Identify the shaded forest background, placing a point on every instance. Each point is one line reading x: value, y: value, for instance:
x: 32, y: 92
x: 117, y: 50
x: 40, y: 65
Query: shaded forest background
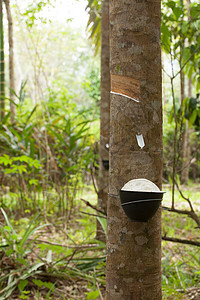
x: 49, y: 153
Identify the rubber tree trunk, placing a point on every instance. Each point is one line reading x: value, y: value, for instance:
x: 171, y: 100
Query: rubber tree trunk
x: 11, y: 59
x: 104, y: 115
x: 134, y: 249
x: 2, y: 70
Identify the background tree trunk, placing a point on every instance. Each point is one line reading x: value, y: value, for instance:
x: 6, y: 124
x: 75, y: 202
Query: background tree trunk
x: 186, y: 151
x: 2, y: 75
x: 134, y: 249
x: 104, y: 114
x: 11, y: 59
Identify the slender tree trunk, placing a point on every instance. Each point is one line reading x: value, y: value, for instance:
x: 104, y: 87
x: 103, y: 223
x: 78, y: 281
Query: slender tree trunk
x: 164, y: 93
x: 186, y: 153
x: 11, y: 59
x: 2, y: 74
x: 182, y: 85
x: 104, y: 113
x: 134, y: 249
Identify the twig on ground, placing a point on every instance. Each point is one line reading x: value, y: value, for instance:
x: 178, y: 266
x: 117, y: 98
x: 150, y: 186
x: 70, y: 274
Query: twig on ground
x: 99, y: 291
x: 63, y: 231
x: 181, y: 241
x: 64, y: 246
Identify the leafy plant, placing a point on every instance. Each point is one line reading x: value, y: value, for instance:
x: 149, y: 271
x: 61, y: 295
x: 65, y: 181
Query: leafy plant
x: 14, y: 245
x: 15, y: 249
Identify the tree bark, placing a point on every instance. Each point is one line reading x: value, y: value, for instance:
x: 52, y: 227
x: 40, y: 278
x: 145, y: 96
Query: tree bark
x: 184, y: 143
x: 186, y: 153
x: 11, y: 59
x: 134, y: 249
x: 2, y: 65
x: 104, y: 114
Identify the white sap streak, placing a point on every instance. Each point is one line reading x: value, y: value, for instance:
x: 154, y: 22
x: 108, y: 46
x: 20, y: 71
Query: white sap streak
x: 136, y: 100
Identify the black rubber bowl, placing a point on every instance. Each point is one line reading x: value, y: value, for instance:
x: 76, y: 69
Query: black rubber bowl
x: 141, y: 210
x: 129, y: 196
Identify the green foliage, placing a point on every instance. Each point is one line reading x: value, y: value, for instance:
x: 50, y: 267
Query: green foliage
x: 92, y: 85
x: 19, y: 165
x: 24, y: 272
x: 16, y: 248
x: 93, y: 295
x: 31, y: 14
x: 192, y: 112
x: 14, y: 245
x: 177, y: 275
x: 103, y: 222
x: 180, y: 36
x: 46, y: 149
x: 94, y: 22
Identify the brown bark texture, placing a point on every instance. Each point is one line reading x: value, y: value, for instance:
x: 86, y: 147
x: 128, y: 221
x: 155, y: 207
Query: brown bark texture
x: 11, y: 58
x: 186, y: 151
x: 104, y: 107
x: 134, y: 249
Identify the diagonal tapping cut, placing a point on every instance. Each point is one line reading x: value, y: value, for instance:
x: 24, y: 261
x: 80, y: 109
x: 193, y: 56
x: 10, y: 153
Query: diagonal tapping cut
x: 129, y: 88
x: 125, y: 86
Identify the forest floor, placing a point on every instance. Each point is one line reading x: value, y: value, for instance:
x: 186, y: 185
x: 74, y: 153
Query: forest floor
x: 63, y: 260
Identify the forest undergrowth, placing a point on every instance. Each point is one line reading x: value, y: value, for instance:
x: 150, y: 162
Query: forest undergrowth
x: 49, y: 250
x: 62, y: 259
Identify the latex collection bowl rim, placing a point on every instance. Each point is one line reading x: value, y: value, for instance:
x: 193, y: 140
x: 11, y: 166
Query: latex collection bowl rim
x: 139, y: 201
x: 143, y: 191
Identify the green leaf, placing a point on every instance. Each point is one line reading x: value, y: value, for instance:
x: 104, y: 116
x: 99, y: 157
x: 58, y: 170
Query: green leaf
x: 171, y: 4
x: 49, y: 256
x: 22, y: 284
x: 33, y: 182
x: 5, y: 119
x: 103, y: 223
x: 29, y: 231
x: 198, y: 85
x: 193, y: 117
x: 5, y: 160
x: 34, y: 163
x: 190, y: 71
x: 22, y: 261
x: 35, y: 268
x: 185, y: 55
x: 16, y: 169
x: 41, y: 283
x: 14, y: 237
x: 7, y: 228
x: 48, y: 285
x: 9, y: 252
x: 194, y: 11
x: 177, y: 12
x: 38, y: 282
x: 22, y: 158
x: 7, y: 221
x: 32, y: 112
x: 93, y: 295
x: 184, y: 27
